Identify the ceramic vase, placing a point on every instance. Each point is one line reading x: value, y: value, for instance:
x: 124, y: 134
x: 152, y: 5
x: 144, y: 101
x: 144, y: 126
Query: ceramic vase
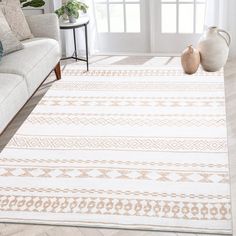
x: 214, y: 49
x: 190, y: 60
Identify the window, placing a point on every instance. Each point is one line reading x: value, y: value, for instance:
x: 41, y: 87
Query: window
x: 118, y: 16
x: 143, y: 26
x: 182, y: 16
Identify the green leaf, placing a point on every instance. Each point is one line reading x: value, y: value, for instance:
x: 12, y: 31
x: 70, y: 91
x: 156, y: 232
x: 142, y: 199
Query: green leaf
x: 72, y: 8
x: 32, y: 3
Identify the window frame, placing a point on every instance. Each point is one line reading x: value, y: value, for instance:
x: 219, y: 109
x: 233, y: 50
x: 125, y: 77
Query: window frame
x: 107, y: 3
x: 177, y: 3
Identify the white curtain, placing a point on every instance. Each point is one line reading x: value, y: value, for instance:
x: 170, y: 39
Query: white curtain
x: 67, y: 38
x: 92, y: 30
x: 221, y: 13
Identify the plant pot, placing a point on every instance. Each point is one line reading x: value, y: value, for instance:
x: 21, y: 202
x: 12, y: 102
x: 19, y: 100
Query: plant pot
x: 214, y: 49
x: 72, y: 19
x: 65, y: 17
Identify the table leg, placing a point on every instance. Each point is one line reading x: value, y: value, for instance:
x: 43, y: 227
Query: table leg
x: 75, y: 44
x: 86, y: 44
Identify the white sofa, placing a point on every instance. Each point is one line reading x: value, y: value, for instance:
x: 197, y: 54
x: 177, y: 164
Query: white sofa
x: 22, y: 72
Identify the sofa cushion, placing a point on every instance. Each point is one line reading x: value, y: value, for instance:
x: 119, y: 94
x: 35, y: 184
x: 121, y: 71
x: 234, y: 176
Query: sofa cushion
x: 34, y: 62
x: 13, y: 95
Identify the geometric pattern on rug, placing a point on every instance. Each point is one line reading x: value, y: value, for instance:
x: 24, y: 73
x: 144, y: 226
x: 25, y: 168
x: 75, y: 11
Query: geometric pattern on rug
x: 122, y: 147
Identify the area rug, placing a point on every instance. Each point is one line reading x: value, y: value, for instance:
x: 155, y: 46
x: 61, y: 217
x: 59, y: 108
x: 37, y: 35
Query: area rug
x: 134, y: 147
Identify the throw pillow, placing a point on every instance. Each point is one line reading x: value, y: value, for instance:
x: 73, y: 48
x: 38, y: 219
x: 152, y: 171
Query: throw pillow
x: 1, y: 51
x: 9, y: 41
x: 17, y: 22
x: 11, y: 2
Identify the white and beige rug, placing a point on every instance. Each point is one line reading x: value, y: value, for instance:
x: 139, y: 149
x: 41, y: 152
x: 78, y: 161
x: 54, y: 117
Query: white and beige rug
x: 123, y: 147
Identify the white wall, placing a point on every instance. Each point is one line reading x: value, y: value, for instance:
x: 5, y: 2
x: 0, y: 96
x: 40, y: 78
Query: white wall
x: 55, y: 4
x: 45, y: 9
x: 50, y: 6
x: 232, y: 26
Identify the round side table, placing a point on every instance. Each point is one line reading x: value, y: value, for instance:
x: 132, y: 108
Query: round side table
x: 81, y: 22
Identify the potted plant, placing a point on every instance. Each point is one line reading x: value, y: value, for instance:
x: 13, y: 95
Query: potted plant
x: 32, y: 3
x: 72, y: 9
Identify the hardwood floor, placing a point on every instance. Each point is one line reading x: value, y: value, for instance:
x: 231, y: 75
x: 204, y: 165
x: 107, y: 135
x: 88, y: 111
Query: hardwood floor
x: 34, y: 230
x: 230, y: 90
x: 39, y: 230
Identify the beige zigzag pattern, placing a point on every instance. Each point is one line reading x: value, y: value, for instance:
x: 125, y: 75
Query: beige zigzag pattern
x: 120, y: 143
x: 116, y: 173
x: 118, y: 206
x: 137, y: 86
x: 80, y: 120
x: 193, y: 197
x: 135, y: 73
x: 146, y: 115
x: 115, y: 102
x: 132, y: 101
x: 113, y: 162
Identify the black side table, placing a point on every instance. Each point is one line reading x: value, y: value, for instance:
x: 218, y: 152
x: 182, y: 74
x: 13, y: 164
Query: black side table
x: 81, y: 22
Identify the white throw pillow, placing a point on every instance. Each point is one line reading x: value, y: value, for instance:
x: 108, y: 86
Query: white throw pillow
x: 11, y: 2
x: 9, y: 41
x: 16, y: 19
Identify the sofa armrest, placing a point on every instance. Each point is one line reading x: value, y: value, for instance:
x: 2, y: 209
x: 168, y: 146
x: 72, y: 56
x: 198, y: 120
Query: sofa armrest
x: 45, y: 25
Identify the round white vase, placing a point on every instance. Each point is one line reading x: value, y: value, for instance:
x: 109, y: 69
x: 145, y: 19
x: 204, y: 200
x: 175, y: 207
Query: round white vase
x: 214, y: 49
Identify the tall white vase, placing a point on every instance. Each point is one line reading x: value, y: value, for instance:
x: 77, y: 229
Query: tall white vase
x: 214, y: 49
